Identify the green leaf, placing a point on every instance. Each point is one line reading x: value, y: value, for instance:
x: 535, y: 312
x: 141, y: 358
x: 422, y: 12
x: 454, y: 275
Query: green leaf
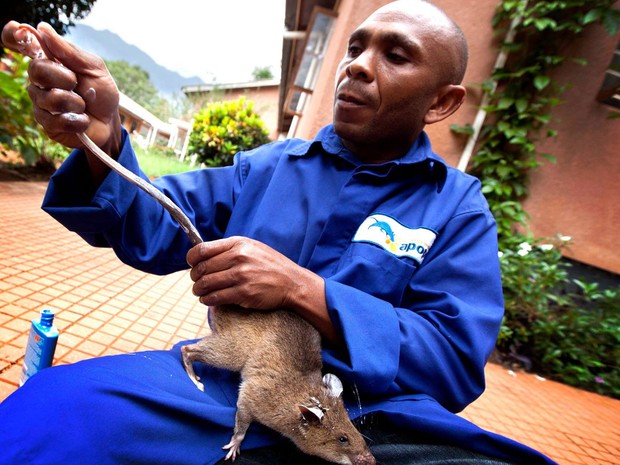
x: 504, y: 103
x: 591, y: 16
x: 540, y: 82
x: 487, y: 189
x: 521, y: 105
x: 611, y: 22
x: 543, y: 23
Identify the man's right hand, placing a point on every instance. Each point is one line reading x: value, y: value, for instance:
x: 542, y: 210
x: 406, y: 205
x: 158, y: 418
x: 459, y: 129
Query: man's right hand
x: 72, y: 91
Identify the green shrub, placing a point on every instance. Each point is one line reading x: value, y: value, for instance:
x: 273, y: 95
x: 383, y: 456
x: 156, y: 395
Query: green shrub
x: 562, y: 328
x: 18, y: 129
x: 225, y: 128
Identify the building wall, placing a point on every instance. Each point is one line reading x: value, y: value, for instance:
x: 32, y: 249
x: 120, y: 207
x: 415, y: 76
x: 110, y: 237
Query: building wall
x: 579, y: 195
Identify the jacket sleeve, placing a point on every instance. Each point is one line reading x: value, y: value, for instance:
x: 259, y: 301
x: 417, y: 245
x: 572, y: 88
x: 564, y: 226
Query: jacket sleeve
x: 120, y: 215
x: 438, y: 342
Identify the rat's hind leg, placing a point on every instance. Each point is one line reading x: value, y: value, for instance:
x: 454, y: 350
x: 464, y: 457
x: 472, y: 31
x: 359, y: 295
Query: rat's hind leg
x: 212, y: 350
x: 190, y: 354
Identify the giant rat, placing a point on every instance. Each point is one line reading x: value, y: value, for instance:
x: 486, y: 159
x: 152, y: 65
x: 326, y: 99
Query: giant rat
x: 278, y: 355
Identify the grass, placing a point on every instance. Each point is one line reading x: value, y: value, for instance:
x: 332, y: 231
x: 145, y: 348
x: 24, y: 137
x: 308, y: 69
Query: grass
x: 156, y: 162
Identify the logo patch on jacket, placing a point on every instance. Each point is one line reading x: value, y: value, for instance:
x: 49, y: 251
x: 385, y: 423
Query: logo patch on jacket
x: 389, y: 234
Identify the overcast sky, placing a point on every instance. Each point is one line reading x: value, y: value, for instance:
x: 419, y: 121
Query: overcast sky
x: 221, y: 39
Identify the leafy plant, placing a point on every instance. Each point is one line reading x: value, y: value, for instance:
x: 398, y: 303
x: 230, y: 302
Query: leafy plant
x: 18, y: 129
x: 562, y: 328
x: 223, y: 129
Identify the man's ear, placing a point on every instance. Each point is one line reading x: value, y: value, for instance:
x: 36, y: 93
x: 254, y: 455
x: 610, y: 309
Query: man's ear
x: 449, y: 98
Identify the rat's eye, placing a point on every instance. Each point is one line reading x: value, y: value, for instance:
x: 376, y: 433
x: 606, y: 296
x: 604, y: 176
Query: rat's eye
x: 343, y: 439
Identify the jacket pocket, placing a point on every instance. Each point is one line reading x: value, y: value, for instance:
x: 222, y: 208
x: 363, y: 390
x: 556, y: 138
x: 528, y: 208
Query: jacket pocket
x: 376, y: 271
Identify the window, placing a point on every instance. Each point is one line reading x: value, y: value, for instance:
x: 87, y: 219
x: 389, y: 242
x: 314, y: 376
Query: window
x: 609, y: 93
x: 314, y: 48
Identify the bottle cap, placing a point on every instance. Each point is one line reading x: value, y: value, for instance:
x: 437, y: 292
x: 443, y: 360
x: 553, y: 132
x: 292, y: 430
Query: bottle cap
x: 47, y: 317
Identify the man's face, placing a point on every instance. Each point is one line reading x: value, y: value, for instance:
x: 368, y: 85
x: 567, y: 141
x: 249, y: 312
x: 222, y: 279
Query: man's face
x: 386, y: 83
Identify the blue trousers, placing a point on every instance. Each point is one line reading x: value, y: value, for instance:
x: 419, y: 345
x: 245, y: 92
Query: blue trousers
x: 143, y: 409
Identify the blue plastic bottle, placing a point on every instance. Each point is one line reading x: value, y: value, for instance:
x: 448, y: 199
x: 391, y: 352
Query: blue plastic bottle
x: 41, y: 345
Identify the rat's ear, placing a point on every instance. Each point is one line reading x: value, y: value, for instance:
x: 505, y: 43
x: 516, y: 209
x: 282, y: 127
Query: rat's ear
x: 311, y: 414
x: 334, y: 384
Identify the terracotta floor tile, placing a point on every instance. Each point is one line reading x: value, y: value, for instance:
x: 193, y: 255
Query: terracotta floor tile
x: 9, y: 297
x: 134, y: 337
x: 125, y: 346
x: 76, y: 356
x: 160, y: 335
x: 6, y: 388
x: 102, y: 338
x: 11, y: 353
x: 112, y: 330
x: 8, y: 334
x: 92, y: 348
x: 12, y: 374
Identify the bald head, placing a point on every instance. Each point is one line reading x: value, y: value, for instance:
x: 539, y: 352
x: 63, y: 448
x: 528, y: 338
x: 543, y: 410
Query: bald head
x: 447, y: 35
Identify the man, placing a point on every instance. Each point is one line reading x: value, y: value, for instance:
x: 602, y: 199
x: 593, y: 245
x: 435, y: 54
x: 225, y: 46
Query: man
x: 364, y: 232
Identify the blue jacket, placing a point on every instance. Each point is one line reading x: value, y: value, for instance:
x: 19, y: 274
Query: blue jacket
x: 407, y: 248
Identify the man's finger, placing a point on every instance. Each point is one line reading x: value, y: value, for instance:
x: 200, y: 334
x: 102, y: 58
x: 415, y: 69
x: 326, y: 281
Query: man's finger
x: 64, y: 123
x: 207, y: 250
x: 48, y: 74
x: 8, y: 35
x: 74, y: 58
x: 56, y: 101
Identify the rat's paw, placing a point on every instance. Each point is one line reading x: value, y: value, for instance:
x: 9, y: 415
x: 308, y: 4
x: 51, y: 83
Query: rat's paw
x: 233, y: 448
x: 198, y: 384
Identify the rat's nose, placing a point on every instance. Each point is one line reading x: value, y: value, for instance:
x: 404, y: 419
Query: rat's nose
x: 364, y: 459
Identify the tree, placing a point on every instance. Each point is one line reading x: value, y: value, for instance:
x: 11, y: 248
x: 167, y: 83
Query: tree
x: 135, y: 82
x: 262, y: 74
x: 60, y: 14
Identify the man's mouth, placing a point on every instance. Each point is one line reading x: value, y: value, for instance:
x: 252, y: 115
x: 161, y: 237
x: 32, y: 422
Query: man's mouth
x: 350, y: 98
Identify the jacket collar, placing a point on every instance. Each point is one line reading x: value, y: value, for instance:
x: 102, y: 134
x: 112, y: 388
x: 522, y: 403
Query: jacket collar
x: 420, y: 153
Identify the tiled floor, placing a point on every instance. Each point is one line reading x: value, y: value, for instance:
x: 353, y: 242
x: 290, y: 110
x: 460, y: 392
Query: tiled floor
x: 105, y: 307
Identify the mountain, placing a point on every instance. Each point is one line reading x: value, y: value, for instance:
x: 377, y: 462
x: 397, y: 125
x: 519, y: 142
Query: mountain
x: 110, y: 46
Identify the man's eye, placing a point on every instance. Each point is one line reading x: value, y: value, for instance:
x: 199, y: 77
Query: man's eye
x: 396, y: 57
x: 354, y: 50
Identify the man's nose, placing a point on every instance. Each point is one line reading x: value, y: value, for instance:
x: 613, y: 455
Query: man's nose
x: 361, y: 67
